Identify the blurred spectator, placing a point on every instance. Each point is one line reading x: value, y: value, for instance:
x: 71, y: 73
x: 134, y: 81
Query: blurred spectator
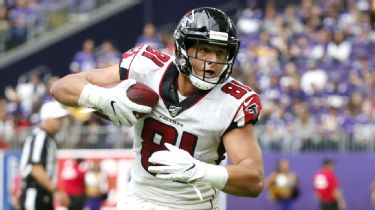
x: 340, y: 47
x: 19, y: 18
x: 73, y: 183
x: 96, y: 187
x: 282, y: 185
x: 47, y: 96
x: 107, y: 55
x: 271, y: 21
x: 273, y: 90
x: 363, y: 69
x: 314, y: 80
x: 312, y: 15
x: 38, y: 22
x: 4, y: 27
x: 292, y: 20
x: 304, y: 129
x: 93, y: 134
x: 150, y: 37
x: 327, y: 188
x: 30, y: 93
x: 277, y: 134
x: 168, y: 44
x: 364, y: 132
x: 353, y: 109
x: 266, y: 58
x: 330, y: 20
x: 7, y: 130
x: 318, y: 50
x: 250, y: 18
x: 331, y: 127
x: 85, y: 59
x: 85, y: 6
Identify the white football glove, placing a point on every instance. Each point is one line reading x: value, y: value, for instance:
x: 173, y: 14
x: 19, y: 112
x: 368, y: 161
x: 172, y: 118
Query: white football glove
x: 113, y: 102
x: 176, y: 165
x: 179, y: 166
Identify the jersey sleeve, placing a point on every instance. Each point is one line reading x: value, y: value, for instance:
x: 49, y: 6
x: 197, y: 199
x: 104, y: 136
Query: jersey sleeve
x: 249, y: 111
x: 244, y: 102
x: 142, y: 60
x: 127, y: 60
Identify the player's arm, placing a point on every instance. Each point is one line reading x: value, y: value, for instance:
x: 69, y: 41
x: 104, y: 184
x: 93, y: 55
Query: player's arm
x: 245, y: 175
x: 67, y: 90
x: 86, y: 89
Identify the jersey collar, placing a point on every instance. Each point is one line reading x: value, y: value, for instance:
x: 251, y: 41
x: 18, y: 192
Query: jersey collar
x: 168, y: 92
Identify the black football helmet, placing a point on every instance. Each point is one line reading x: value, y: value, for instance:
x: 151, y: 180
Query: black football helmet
x: 210, y: 26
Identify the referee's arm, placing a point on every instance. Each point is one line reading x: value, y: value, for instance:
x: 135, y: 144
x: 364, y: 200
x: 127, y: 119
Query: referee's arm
x: 40, y: 176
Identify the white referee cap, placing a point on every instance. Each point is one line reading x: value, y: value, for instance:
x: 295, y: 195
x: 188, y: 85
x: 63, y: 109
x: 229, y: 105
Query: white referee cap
x: 52, y: 110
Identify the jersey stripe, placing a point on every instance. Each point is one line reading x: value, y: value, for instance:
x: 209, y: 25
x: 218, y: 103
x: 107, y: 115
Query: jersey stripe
x: 25, y: 169
x: 38, y: 147
x: 30, y: 199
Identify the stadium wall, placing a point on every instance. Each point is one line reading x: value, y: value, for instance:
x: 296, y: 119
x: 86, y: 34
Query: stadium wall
x: 355, y: 172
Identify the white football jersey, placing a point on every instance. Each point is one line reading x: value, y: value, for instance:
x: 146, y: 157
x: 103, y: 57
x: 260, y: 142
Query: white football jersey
x: 195, y: 124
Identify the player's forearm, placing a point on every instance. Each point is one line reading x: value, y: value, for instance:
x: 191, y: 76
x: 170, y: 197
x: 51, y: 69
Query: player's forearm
x: 244, y: 180
x: 67, y: 90
x: 41, y: 177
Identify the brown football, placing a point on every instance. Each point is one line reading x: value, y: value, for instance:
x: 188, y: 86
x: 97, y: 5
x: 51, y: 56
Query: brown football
x: 139, y: 93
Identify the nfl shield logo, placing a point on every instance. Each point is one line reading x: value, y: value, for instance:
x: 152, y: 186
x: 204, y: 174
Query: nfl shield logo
x: 174, y: 110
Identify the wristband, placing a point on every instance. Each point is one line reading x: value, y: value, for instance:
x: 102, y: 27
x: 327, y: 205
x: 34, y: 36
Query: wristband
x: 216, y: 175
x: 90, y: 95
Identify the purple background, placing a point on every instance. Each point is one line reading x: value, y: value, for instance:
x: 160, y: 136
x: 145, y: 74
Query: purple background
x: 354, y: 171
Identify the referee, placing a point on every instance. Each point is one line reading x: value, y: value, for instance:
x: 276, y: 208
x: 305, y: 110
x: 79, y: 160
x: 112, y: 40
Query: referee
x: 38, y: 162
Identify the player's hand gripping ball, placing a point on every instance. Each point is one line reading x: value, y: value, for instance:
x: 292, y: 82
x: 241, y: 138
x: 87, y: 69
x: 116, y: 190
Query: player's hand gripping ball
x: 138, y: 93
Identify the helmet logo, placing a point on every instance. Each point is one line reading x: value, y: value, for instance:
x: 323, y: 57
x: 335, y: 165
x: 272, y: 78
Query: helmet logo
x: 190, y: 18
x: 222, y: 36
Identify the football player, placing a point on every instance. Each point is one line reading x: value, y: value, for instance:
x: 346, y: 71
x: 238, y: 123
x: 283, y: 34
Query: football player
x: 202, y: 114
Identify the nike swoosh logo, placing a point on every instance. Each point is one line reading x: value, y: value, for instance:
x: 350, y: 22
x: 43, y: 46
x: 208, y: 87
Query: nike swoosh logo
x: 112, y: 105
x: 247, y: 102
x: 190, y: 167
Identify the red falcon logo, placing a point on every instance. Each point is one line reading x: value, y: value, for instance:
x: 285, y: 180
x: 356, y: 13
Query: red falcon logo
x: 252, y: 108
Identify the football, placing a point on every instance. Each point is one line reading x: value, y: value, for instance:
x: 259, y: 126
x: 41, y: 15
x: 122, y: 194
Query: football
x: 140, y: 93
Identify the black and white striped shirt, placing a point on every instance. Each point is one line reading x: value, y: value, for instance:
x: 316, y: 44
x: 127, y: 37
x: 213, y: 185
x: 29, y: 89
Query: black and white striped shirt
x: 39, y: 148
